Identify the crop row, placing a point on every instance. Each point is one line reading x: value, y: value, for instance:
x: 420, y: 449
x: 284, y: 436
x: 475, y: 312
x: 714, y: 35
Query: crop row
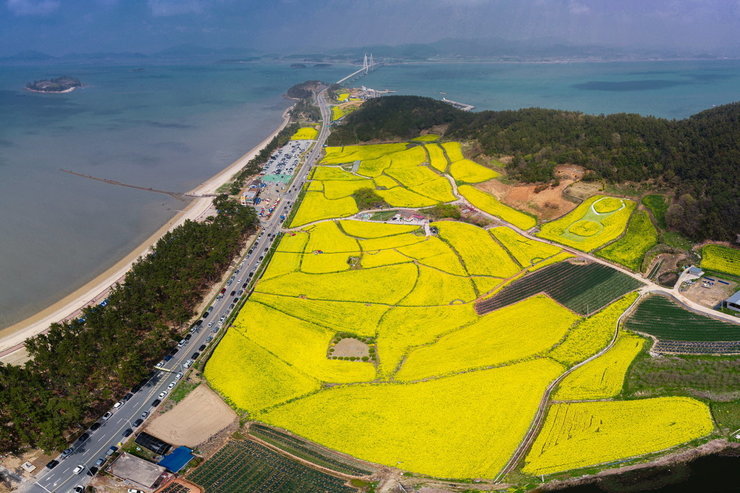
x: 696, y: 347
x: 662, y: 318
x: 582, y: 288
x: 245, y: 467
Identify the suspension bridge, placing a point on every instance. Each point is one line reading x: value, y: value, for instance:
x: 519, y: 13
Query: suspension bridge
x: 368, y: 65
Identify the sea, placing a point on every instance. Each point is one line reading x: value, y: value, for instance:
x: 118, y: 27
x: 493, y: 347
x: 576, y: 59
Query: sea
x: 171, y: 125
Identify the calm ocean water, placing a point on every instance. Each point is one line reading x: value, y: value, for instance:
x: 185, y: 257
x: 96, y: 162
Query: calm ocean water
x: 170, y: 127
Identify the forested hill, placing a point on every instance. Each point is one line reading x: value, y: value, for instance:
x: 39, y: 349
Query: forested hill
x: 697, y: 159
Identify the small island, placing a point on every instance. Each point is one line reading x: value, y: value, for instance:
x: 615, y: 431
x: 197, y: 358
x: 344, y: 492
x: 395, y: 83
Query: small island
x: 59, y: 85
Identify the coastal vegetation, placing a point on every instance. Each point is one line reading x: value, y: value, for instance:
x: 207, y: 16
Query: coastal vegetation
x: 695, y: 157
x: 57, y: 85
x: 80, y: 367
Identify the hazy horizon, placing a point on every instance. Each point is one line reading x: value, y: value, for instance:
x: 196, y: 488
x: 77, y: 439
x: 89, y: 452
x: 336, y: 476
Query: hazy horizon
x: 62, y: 27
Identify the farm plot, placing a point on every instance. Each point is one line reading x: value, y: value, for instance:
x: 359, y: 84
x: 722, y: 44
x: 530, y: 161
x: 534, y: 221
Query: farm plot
x: 350, y: 154
x: 305, y: 133
x: 664, y: 319
x: 519, y: 331
x: 315, y: 206
x: 583, y: 434
x: 602, y: 377
x: 526, y: 251
x: 721, y: 258
x: 596, y: 222
x: 437, y: 159
x: 364, y: 229
x: 467, y: 171
x: 470, y: 425
x: 479, y: 253
x: 630, y: 249
x: 334, y: 173
x: 246, y: 467
x: 582, y: 288
x: 488, y: 203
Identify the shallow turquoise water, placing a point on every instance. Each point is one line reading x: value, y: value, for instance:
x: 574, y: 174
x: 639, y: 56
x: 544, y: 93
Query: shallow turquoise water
x: 172, y: 126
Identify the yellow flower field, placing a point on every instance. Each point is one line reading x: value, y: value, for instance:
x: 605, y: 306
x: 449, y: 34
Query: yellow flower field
x: 385, y: 181
x: 328, y: 237
x: 287, y: 256
x: 376, y: 258
x: 393, y: 241
x: 469, y: 428
x: 469, y: 171
x: 315, y: 206
x: 435, y: 287
x: 407, y: 326
x: 350, y: 154
x: 437, y: 159
x: 410, y: 176
x: 252, y: 378
x: 584, y: 434
x: 344, y: 188
x: 402, y: 197
x: 454, y: 151
x: 435, y: 253
x: 364, y: 229
x: 585, y: 228
x: 488, y: 203
x: 526, y: 251
x: 721, y: 258
x: 426, y: 138
x: 305, y: 133
x: 480, y: 254
x: 518, y: 331
x: 592, y: 334
x: 602, y: 377
x: 335, y: 173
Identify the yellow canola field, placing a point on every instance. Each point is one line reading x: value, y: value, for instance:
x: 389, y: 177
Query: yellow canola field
x: 412, y: 175
x: 301, y: 344
x: 435, y: 287
x: 349, y: 154
x: 287, y: 256
x: 376, y: 258
x: 322, y: 263
x: 454, y: 151
x: 315, y: 186
x: 385, y: 181
x: 480, y: 254
x: 485, y: 285
x: 344, y: 188
x: 315, y: 207
x: 438, y: 189
x: 437, y: 159
x: 325, y: 173
x: 469, y: 171
x: 583, y: 434
x: 552, y: 260
x: 435, y: 253
x: 374, y: 167
x: 386, y: 284
x: 467, y: 426
x: 251, y: 378
x: 365, y: 229
x: 407, y: 326
x: 342, y: 96
x: 305, y: 133
x: 394, y: 241
x: 341, y: 316
x: 602, y: 377
x: 328, y: 237
x: 525, y: 329
x: 592, y: 334
x: 426, y: 138
x: 526, y: 251
x: 721, y: 258
x: 585, y: 228
x: 488, y: 203
x: 401, y: 197
x: 412, y: 156
x: 338, y: 112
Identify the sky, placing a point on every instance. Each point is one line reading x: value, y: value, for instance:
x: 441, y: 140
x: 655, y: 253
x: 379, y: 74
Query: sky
x: 61, y: 27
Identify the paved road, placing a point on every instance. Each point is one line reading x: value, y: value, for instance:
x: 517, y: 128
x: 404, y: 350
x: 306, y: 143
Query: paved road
x: 110, y: 433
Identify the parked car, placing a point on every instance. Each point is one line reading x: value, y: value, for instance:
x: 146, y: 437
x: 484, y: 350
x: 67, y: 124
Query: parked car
x: 78, y: 469
x: 92, y: 471
x: 66, y: 453
x: 156, y: 402
x: 195, y: 355
x: 117, y: 405
x: 100, y: 461
x: 127, y: 432
x: 162, y: 394
x: 202, y: 347
x: 95, y: 426
x: 144, y: 414
x: 171, y: 385
x: 112, y: 450
x: 52, y: 464
x: 83, y: 437
x: 138, y: 422
x: 78, y: 489
x: 107, y: 415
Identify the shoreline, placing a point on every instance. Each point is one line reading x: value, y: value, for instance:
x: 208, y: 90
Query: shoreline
x: 12, y: 338
x: 66, y: 91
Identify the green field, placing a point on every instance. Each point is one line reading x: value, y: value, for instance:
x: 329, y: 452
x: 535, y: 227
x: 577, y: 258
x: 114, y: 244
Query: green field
x: 630, y: 249
x: 664, y: 319
x: 658, y: 206
x: 582, y: 288
x: 246, y: 467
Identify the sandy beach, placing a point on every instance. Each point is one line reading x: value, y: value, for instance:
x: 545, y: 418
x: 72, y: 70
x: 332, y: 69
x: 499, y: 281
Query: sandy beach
x: 13, y: 337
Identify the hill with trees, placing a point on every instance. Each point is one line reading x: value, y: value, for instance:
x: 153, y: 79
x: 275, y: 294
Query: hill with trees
x: 696, y: 158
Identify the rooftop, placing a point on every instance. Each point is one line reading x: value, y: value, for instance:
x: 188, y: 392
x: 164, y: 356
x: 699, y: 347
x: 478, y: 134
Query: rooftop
x: 138, y: 470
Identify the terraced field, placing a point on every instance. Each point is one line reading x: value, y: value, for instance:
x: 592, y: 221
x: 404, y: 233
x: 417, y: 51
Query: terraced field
x: 452, y: 383
x: 664, y: 319
x: 582, y: 288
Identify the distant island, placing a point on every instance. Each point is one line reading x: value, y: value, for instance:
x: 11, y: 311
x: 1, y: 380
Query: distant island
x: 56, y: 86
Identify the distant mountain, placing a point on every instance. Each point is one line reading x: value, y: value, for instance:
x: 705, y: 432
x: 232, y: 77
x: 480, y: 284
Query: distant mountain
x: 28, y: 56
x: 197, y: 51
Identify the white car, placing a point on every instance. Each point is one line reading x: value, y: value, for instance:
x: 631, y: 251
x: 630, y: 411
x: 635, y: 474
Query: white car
x: 107, y: 415
x: 162, y: 394
x: 117, y: 405
x: 178, y: 375
x: 172, y: 384
x: 78, y: 469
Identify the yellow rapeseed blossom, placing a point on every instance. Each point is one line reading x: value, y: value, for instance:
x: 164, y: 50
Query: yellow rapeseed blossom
x: 466, y: 426
x: 407, y: 326
x: 394, y: 241
x: 526, y: 251
x: 435, y: 287
x: 335, y: 173
x: 488, y: 203
x: 454, y: 151
x: 328, y: 237
x: 315, y: 206
x: 518, y: 331
x: 585, y: 228
x: 341, y: 316
x: 601, y: 377
x: 305, y: 133
x: 350, y: 154
x: 426, y: 138
x: 485, y: 284
x: 583, y: 434
x: 288, y: 255
x: 252, y: 378
x: 365, y: 229
x: 438, y: 189
x: 344, y: 188
x: 479, y: 252
x: 721, y: 258
x: 592, y: 334
x: 552, y: 260
x: 402, y: 197
x: 435, y: 253
x: 385, y: 181
x: 468, y: 171
x: 437, y: 159
x: 411, y: 176
x: 301, y: 344
x: 376, y: 258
